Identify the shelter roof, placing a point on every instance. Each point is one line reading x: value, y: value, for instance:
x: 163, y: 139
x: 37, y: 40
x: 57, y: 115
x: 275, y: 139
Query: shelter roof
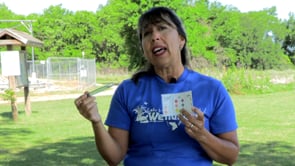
x: 18, y: 38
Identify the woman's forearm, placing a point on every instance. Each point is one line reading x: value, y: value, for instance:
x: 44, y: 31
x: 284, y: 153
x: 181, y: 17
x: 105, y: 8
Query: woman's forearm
x: 106, y: 145
x: 223, y: 148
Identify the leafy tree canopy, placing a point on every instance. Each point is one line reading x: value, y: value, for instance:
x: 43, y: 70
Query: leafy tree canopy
x: 218, y: 35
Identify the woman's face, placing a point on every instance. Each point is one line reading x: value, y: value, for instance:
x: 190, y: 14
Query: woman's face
x: 162, y: 44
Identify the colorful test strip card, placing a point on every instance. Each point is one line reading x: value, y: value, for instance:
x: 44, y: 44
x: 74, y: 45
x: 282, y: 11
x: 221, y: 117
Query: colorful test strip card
x: 172, y: 103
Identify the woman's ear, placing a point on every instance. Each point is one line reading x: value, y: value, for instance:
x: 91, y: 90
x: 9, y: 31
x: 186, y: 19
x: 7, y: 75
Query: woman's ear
x: 181, y: 42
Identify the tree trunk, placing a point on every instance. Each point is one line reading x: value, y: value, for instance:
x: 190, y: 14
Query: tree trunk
x: 14, y: 110
x: 27, y: 101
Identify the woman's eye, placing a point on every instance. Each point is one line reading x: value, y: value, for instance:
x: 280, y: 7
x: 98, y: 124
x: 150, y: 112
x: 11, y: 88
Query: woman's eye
x: 162, y: 27
x: 146, y: 33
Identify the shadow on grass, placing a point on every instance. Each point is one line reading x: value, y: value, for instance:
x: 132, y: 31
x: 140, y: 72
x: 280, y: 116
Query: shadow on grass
x: 73, y: 152
x: 8, y: 137
x: 266, y: 154
x: 7, y: 116
x: 82, y: 151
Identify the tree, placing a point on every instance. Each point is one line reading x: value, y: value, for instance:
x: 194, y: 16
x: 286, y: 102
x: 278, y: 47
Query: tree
x: 108, y: 41
x: 225, y: 24
x: 289, y: 41
x: 78, y: 32
x: 8, y: 20
x: 217, y: 35
x: 201, y: 42
x: 9, y: 94
x: 253, y: 44
x: 50, y: 28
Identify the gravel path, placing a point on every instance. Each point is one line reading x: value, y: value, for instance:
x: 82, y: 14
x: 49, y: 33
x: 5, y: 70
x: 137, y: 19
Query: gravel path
x: 62, y: 96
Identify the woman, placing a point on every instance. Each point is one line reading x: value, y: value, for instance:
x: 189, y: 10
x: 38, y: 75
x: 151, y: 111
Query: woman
x: 139, y: 133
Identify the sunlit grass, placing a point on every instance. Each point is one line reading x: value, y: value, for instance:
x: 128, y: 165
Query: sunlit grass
x: 31, y: 139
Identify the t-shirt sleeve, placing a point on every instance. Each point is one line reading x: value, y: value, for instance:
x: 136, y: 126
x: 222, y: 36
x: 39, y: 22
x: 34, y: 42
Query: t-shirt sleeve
x: 118, y: 113
x: 224, y: 117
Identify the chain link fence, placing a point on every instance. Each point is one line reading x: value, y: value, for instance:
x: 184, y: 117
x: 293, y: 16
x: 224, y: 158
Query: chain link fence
x: 60, y: 73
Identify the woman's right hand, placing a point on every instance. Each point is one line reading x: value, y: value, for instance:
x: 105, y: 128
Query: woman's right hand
x: 87, y: 107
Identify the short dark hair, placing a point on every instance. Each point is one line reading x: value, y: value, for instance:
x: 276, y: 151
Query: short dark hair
x: 152, y: 16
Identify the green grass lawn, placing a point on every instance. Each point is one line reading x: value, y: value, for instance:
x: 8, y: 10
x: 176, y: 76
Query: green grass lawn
x: 266, y: 128
x: 56, y: 134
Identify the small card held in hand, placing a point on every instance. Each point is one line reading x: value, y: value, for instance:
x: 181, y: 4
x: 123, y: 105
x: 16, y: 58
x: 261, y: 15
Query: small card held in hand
x: 172, y: 103
x: 100, y: 89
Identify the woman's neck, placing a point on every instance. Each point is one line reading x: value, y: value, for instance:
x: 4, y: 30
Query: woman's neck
x: 170, y: 74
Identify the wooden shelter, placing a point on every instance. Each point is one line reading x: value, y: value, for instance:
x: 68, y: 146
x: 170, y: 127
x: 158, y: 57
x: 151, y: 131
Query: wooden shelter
x: 11, y: 38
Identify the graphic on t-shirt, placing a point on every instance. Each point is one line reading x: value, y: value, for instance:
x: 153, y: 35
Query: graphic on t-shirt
x: 172, y: 103
x: 145, y: 113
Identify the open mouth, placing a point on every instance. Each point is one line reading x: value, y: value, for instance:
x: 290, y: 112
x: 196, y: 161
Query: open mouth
x: 159, y: 50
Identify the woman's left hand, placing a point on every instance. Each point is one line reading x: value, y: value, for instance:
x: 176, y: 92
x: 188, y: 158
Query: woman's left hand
x: 194, y: 123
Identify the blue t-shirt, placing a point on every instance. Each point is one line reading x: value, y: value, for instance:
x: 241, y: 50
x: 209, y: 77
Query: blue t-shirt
x: 160, y: 140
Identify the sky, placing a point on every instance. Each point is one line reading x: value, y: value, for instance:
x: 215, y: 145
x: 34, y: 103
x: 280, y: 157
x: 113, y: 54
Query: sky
x: 284, y: 7
x: 25, y: 7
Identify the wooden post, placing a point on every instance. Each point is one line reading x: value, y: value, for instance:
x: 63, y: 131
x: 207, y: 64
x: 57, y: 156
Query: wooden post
x: 13, y: 98
x: 26, y: 88
x: 27, y: 101
x: 12, y: 86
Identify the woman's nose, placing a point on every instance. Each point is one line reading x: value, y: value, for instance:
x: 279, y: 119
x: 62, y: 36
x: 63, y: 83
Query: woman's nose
x: 155, y: 36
